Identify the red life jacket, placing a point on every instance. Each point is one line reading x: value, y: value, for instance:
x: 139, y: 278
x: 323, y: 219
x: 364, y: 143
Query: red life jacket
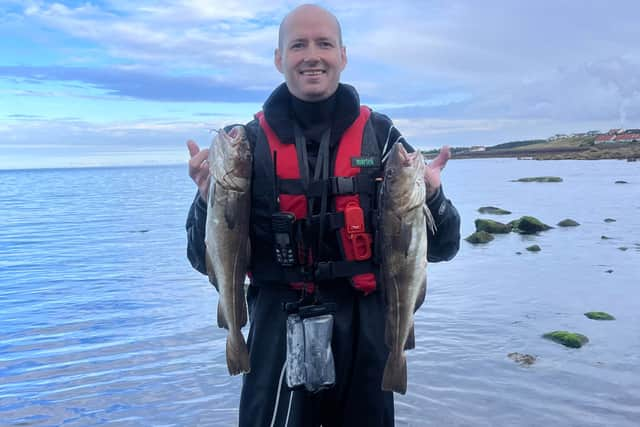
x: 356, y: 243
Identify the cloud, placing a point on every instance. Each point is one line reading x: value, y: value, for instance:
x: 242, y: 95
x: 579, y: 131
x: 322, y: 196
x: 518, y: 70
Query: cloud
x: 140, y: 84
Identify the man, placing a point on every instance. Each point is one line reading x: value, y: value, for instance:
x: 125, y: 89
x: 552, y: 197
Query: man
x: 313, y: 117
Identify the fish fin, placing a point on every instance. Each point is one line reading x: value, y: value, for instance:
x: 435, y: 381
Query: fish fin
x: 394, y: 377
x: 222, y: 322
x: 231, y: 209
x: 411, y: 338
x: 237, y: 354
x: 210, y: 272
x: 431, y: 223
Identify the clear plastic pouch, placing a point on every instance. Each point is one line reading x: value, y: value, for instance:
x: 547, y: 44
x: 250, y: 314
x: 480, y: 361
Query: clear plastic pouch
x: 296, y: 376
x: 309, y: 362
x: 318, y: 357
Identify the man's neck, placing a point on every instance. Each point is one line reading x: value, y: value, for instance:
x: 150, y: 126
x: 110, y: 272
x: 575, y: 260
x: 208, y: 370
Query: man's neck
x: 314, y: 117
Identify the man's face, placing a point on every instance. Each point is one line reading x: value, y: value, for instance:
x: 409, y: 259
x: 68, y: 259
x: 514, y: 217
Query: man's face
x: 310, y: 55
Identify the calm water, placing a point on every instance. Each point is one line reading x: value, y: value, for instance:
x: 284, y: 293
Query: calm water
x: 103, y: 321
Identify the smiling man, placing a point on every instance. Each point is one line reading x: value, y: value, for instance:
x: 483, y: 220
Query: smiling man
x: 317, y: 159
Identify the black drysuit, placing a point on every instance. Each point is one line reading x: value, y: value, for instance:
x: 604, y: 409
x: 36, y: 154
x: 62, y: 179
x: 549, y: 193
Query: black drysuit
x: 358, y: 336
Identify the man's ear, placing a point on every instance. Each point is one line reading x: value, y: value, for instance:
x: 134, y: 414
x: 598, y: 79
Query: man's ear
x: 343, y: 52
x: 277, y: 60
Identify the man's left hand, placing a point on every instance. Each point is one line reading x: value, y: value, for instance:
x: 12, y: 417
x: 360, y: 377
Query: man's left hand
x: 434, y: 168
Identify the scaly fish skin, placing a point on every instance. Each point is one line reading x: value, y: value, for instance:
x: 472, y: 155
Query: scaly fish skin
x: 227, y: 237
x: 404, y: 221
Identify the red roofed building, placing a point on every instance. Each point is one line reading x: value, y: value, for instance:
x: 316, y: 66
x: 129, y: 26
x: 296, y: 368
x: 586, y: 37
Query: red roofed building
x: 627, y: 137
x: 608, y: 137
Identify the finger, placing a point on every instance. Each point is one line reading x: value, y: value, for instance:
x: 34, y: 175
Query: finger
x: 198, y: 158
x: 442, y: 158
x: 193, y: 148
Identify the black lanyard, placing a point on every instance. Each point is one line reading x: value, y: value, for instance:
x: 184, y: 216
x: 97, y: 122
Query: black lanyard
x: 320, y: 172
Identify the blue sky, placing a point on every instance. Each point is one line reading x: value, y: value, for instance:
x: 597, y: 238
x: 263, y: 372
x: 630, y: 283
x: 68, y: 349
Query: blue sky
x: 128, y: 82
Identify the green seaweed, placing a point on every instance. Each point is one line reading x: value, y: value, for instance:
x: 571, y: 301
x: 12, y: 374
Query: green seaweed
x: 492, y: 210
x: 569, y: 339
x: 568, y: 223
x: 491, y: 226
x: 479, y: 237
x: 599, y: 315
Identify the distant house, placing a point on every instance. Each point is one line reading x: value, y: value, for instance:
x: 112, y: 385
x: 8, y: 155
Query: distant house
x: 607, y: 137
x: 628, y: 137
x: 477, y: 148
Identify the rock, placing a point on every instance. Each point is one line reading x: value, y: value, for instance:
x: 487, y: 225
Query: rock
x: 534, y: 248
x: 518, y: 253
x: 621, y: 182
x: 492, y: 210
x: 599, y: 315
x: 528, y: 225
x: 491, y: 226
x: 539, y: 179
x: 623, y: 248
x: 568, y: 223
x: 605, y: 237
x: 522, y: 359
x: 609, y: 220
x: 479, y: 237
x: 569, y: 339
x: 608, y: 271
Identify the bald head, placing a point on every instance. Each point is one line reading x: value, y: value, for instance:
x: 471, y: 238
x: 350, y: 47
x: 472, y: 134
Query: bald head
x: 304, y: 10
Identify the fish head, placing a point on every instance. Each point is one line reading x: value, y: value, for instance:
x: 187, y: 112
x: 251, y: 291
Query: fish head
x: 230, y: 158
x: 404, y: 178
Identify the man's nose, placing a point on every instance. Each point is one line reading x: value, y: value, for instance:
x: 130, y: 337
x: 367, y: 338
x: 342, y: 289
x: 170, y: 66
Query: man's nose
x: 312, y: 54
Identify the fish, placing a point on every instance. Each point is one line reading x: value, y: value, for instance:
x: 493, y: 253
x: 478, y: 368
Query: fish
x: 404, y: 218
x: 227, y: 243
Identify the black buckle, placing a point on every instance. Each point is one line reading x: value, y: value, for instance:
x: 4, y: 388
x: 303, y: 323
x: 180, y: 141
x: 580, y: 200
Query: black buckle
x: 343, y: 185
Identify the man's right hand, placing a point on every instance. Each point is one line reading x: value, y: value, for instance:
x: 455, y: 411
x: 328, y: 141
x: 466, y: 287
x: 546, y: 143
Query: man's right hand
x: 199, y: 168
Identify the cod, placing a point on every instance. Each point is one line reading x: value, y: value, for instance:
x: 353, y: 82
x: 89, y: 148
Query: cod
x: 227, y: 237
x: 404, y: 218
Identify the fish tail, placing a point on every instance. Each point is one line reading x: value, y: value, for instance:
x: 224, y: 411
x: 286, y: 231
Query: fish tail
x: 237, y: 354
x: 394, y: 377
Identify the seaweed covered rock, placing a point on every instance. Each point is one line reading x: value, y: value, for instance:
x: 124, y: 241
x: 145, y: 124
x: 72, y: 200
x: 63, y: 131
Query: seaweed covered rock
x: 492, y: 210
x: 568, y: 223
x: 599, y: 315
x: 621, y: 182
x: 569, y: 339
x: 528, y: 225
x: 479, y: 237
x: 539, y: 179
x: 491, y: 226
x: 609, y: 220
x: 534, y: 248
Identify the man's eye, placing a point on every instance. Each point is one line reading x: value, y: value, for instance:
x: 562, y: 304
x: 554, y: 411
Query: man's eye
x: 297, y: 45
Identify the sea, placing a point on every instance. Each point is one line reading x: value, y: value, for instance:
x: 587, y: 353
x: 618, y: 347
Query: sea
x: 104, y: 322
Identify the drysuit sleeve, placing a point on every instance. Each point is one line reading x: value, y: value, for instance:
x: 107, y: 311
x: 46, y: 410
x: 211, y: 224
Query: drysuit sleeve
x: 444, y: 244
x: 196, y: 224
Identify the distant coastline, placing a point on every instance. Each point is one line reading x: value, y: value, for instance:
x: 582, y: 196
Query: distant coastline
x: 567, y: 148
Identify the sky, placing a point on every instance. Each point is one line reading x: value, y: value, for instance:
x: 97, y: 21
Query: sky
x: 121, y: 82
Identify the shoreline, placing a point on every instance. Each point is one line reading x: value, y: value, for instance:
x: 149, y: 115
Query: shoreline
x: 629, y: 152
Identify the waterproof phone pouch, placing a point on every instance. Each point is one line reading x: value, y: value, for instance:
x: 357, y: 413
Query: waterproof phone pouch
x: 295, y: 352
x: 318, y: 357
x: 309, y: 361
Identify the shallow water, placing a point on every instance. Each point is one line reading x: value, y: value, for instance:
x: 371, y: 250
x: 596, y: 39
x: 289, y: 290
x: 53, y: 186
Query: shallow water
x: 104, y: 321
